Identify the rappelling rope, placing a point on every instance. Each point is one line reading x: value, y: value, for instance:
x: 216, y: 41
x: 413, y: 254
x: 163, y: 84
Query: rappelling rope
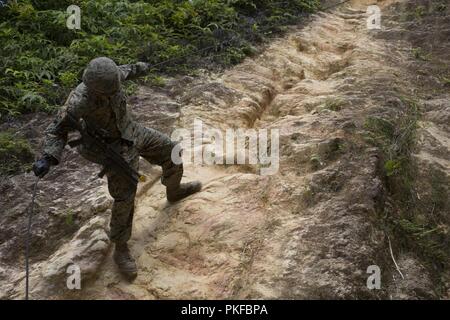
x: 28, y: 239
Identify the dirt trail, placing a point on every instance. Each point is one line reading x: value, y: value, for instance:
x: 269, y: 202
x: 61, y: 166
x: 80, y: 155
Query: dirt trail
x: 301, y: 233
x: 308, y: 231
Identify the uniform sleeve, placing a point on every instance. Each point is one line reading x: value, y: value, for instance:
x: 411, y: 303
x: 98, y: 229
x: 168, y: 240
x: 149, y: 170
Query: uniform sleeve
x: 57, y: 132
x: 133, y: 71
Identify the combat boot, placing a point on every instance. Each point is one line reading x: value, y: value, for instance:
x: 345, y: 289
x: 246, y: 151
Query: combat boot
x: 183, y: 190
x: 125, y: 261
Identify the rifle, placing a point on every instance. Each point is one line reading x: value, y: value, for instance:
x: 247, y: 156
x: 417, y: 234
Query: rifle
x: 114, y: 159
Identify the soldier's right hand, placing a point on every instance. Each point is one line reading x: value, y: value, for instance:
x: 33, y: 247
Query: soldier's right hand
x: 41, y: 166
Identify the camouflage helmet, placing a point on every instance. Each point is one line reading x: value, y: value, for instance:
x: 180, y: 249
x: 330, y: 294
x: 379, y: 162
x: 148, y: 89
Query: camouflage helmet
x: 102, y: 76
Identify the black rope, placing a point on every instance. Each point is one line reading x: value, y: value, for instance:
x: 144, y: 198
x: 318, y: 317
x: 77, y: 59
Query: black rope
x: 28, y: 240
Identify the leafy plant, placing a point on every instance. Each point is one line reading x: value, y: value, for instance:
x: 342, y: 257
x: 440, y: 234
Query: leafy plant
x: 333, y: 104
x: 419, y: 54
x: 418, y: 223
x: 445, y: 81
x: 419, y: 12
x: 316, y: 161
x: 41, y: 60
x: 15, y: 154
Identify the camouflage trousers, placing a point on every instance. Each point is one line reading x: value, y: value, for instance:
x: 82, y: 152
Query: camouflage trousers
x: 156, y: 148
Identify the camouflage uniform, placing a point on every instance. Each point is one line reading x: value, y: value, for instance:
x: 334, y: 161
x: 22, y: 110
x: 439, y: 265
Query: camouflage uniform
x: 110, y: 116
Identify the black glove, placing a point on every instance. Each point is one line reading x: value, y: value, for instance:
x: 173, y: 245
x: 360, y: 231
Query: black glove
x: 42, y: 166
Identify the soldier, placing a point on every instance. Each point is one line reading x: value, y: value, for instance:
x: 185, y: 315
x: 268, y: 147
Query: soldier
x: 99, y: 102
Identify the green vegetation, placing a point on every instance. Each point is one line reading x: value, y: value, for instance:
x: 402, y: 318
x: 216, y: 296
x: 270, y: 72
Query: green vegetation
x: 441, y: 7
x: 316, y: 161
x: 334, y: 104
x: 418, y: 222
x: 69, y: 218
x: 15, y: 154
x: 419, y: 54
x: 419, y: 12
x: 445, y: 80
x: 396, y: 138
x: 41, y: 59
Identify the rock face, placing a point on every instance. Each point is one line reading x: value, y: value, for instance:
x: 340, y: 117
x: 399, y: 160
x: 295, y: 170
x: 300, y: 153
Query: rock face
x: 310, y: 230
x: 85, y: 251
